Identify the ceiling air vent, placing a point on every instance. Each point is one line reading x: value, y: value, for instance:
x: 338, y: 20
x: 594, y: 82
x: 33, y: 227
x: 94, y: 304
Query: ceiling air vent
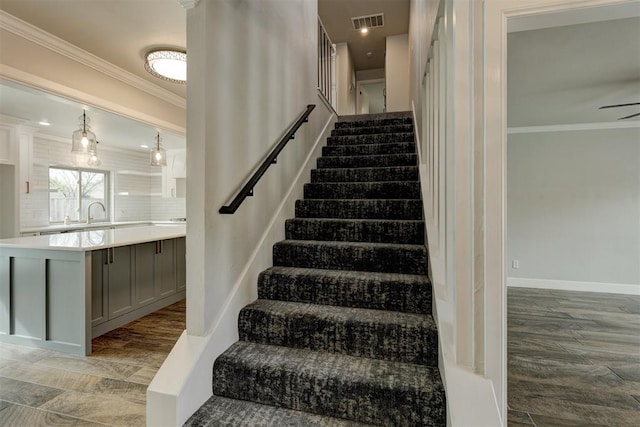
x: 369, y: 21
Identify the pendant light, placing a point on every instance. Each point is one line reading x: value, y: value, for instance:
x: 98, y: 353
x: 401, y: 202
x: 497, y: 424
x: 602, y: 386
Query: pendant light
x: 158, y: 154
x: 93, y: 159
x: 83, y: 140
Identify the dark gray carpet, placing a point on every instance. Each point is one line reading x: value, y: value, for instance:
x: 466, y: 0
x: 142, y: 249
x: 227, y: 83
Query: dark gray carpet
x: 342, y: 332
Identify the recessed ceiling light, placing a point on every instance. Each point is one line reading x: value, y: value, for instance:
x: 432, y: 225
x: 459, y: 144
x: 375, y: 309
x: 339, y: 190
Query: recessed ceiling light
x: 364, y: 30
x: 167, y: 64
x: 44, y: 123
x: 144, y: 146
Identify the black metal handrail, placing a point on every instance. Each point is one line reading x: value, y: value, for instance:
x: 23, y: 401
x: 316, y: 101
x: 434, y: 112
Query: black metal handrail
x: 247, y: 190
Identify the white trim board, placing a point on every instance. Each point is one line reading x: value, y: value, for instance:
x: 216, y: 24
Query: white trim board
x: 568, y: 285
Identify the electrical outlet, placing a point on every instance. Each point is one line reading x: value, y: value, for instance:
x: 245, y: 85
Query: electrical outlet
x: 515, y: 264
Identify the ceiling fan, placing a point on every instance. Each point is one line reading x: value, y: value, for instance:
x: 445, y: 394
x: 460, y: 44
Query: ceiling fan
x: 622, y: 105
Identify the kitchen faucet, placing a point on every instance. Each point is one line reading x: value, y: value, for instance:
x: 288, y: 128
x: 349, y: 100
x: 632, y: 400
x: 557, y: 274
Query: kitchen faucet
x: 89, y: 210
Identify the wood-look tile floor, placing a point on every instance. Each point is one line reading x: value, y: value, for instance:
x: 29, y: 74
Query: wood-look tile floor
x: 45, y: 388
x: 573, y: 358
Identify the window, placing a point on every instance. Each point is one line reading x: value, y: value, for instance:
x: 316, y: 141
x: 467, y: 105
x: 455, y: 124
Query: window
x: 72, y: 190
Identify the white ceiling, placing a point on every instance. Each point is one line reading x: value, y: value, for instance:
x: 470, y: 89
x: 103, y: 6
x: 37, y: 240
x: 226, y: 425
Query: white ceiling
x: 336, y: 16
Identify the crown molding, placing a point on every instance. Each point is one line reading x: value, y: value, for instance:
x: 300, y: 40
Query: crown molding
x: 631, y: 124
x: 188, y: 4
x: 36, y: 35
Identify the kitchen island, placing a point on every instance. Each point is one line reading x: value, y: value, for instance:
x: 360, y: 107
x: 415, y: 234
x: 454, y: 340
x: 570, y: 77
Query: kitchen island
x: 59, y: 291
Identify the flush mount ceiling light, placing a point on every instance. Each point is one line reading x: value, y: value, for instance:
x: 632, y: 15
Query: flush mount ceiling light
x: 158, y: 154
x: 167, y: 64
x: 83, y: 140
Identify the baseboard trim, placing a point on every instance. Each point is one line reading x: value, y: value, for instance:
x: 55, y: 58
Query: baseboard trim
x: 567, y: 285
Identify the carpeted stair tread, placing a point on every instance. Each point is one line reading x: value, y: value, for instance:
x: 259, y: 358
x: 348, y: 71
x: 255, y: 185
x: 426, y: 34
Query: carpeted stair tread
x: 376, y: 334
x: 393, y: 173
x: 368, y: 149
x: 220, y: 411
x: 374, y: 138
x: 354, y: 388
x: 356, y: 230
x: 410, y: 293
x: 359, y: 208
x: 380, y: 160
x: 359, y: 256
x: 373, y: 122
x: 363, y: 190
x: 359, y: 130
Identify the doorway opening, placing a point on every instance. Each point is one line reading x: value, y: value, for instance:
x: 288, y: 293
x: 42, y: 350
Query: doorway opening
x: 572, y: 209
x: 371, y: 97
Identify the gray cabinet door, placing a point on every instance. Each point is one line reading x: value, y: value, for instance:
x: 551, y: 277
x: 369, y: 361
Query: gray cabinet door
x: 145, y: 288
x: 99, y: 296
x: 166, y: 268
x: 121, y: 297
x: 181, y: 263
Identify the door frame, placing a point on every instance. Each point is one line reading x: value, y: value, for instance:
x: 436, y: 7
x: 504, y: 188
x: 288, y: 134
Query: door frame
x: 496, y: 16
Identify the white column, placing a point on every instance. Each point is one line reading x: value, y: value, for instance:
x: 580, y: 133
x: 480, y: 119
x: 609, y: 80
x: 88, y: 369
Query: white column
x: 462, y: 205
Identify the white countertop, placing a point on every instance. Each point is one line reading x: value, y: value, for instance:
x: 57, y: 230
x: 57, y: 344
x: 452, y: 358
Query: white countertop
x: 78, y: 226
x: 98, y: 239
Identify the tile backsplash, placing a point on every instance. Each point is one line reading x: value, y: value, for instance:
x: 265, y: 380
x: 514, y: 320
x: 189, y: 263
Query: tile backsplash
x: 135, y: 186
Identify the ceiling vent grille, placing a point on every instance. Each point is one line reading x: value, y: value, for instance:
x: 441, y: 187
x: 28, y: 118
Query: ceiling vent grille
x: 369, y: 21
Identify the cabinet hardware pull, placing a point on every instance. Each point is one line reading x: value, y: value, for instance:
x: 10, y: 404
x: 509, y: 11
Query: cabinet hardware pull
x: 113, y: 255
x: 28, y: 189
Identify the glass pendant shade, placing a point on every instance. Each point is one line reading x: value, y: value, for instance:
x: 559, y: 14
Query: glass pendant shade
x: 93, y: 159
x: 158, y: 154
x: 83, y: 140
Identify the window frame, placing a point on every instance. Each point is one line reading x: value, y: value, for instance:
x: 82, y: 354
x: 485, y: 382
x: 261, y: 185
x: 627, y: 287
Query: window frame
x: 78, y: 201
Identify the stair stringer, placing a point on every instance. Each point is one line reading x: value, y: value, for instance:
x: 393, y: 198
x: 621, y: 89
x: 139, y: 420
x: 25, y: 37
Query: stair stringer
x: 183, y: 382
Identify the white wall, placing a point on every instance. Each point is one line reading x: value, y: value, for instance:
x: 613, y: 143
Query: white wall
x: 573, y: 206
x: 345, y: 80
x: 397, y: 73
x: 249, y: 78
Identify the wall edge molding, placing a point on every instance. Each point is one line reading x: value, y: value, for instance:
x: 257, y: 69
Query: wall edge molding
x: 55, y: 44
x: 568, y: 285
x: 574, y: 127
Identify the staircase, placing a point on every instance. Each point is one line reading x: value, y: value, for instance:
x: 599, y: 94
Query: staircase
x: 342, y: 332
